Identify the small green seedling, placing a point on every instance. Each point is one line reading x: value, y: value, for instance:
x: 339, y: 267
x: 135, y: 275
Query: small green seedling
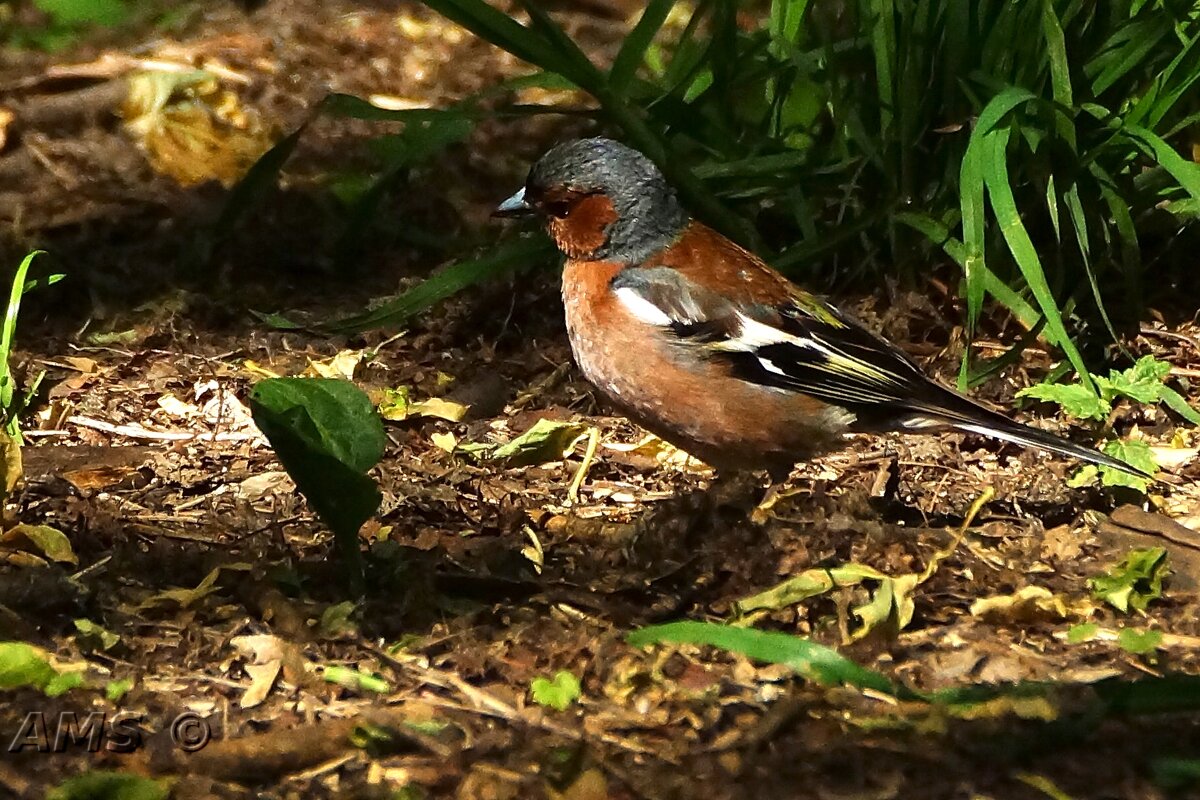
x: 1141, y: 383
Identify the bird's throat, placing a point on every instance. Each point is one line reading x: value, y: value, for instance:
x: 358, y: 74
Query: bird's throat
x: 584, y: 229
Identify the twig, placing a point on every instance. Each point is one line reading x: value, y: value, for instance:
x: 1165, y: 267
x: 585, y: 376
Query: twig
x: 589, y: 455
x: 138, y: 432
x: 494, y: 706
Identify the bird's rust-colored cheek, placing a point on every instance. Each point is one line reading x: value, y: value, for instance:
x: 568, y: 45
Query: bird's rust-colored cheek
x: 584, y: 229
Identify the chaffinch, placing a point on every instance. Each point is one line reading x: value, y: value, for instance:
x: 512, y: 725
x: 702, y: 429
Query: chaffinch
x: 700, y: 342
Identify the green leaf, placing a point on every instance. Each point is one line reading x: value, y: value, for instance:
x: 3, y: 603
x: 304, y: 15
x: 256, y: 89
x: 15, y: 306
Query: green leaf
x: 1083, y: 632
x: 326, y: 434
x: 1134, y: 452
x: 50, y: 542
x: 1172, y: 772
x: 547, y: 440
x: 1174, y: 401
x: 557, y: 693
x: 109, y: 786
x: 336, y: 620
x: 1134, y: 582
x: 23, y: 665
x: 633, y: 49
x: 1139, y: 642
x: 503, y: 31
x: 96, y: 635
x: 1074, y: 398
x: 115, y: 690
x: 62, y: 683
x: 1141, y: 382
x: 334, y: 417
x: 77, y: 13
x: 809, y: 659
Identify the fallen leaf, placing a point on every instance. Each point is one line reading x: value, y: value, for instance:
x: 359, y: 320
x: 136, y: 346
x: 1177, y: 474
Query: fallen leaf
x: 259, y: 371
x: 80, y: 364
x: 397, y: 406
x: 10, y: 465
x: 50, y: 542
x: 439, y: 408
x: 444, y: 441
x: 186, y: 597
x: 177, y: 408
x: 547, y: 440
x: 341, y: 365
x: 95, y: 635
x: 262, y: 678
x: 191, y: 129
x: 1030, y: 604
x: 259, y: 486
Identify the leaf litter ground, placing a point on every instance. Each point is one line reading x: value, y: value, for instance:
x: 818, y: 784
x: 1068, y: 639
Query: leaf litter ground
x: 188, y: 545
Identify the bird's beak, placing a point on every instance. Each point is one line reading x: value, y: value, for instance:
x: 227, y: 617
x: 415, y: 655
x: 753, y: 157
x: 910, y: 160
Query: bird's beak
x: 515, y: 206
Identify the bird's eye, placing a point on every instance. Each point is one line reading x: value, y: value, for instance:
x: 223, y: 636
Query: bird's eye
x: 558, y: 208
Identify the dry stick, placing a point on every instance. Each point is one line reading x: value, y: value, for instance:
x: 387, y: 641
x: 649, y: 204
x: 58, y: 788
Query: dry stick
x: 589, y: 455
x: 497, y: 707
x: 138, y: 432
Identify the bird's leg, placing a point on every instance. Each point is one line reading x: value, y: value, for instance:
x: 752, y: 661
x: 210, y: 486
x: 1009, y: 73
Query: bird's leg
x: 738, y: 489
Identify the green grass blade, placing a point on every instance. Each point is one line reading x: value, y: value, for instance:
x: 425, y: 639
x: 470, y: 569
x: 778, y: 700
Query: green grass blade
x: 1153, y: 145
x: 1127, y: 49
x: 259, y: 181
x: 503, y: 31
x: 510, y: 256
x: 1060, y: 75
x: 786, y: 18
x: 576, y: 65
x: 1004, y: 206
x: 633, y: 49
x: 1164, y: 93
x: 1079, y: 224
x: 9, y: 332
x: 940, y: 235
x: 811, y: 660
x: 971, y: 199
x: 883, y: 45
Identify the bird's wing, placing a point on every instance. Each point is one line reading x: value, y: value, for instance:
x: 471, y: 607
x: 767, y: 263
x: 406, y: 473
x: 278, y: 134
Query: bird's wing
x: 802, y: 344
x: 805, y: 345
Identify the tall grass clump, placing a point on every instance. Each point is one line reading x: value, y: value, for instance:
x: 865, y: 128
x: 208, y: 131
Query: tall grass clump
x: 1043, y: 146
x: 1036, y: 143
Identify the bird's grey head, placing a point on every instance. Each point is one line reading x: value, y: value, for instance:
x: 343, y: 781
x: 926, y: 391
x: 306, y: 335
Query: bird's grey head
x: 602, y: 201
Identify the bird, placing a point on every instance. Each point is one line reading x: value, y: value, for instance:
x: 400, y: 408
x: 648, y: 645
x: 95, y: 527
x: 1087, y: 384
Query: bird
x: 700, y: 342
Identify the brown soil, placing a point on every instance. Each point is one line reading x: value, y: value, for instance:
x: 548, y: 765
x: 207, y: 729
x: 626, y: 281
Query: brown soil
x: 480, y: 578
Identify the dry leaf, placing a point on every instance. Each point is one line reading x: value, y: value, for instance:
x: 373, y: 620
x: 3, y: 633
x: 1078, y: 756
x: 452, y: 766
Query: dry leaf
x: 341, y: 365
x: 192, y: 130
x: 1030, y: 604
x: 258, y: 486
x: 440, y: 408
x: 10, y: 464
x: 259, y: 371
x: 262, y: 678
x: 445, y: 441
x: 6, y: 119
x: 186, y: 597
x: 176, y: 407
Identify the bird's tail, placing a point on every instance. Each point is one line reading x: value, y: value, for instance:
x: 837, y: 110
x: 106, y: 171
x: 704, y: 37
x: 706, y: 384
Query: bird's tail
x: 960, y: 413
